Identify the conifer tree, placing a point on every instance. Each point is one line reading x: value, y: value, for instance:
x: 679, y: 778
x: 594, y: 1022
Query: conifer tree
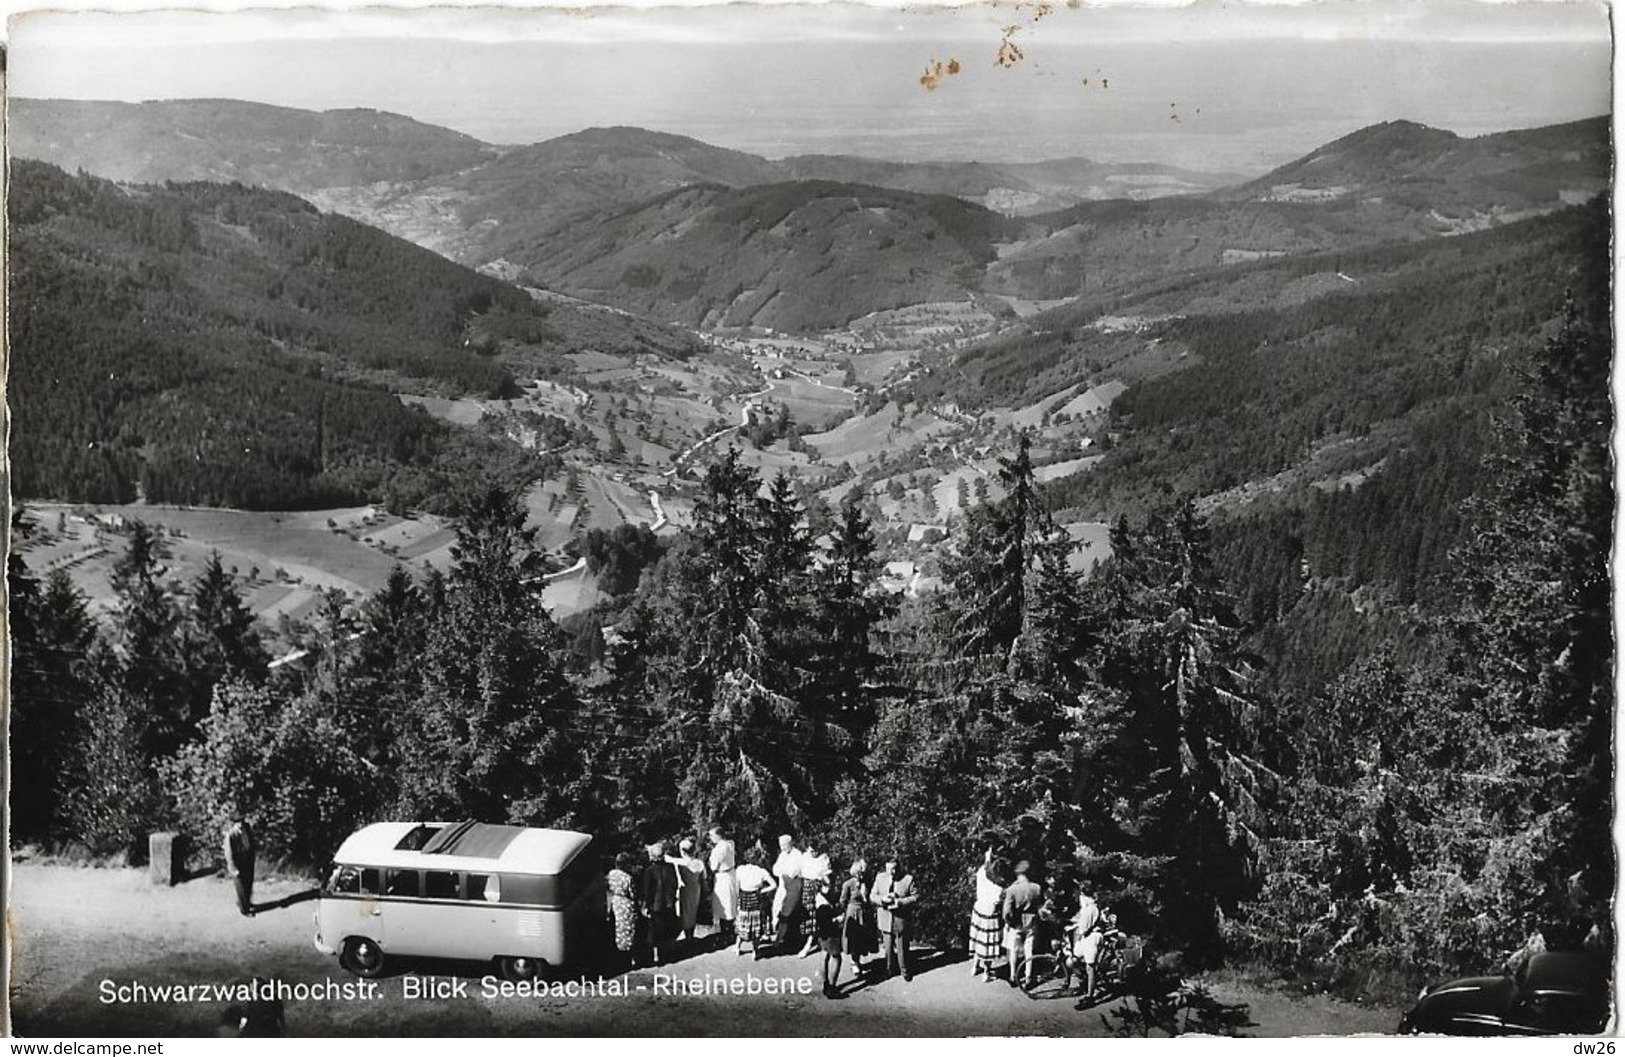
x: 849, y: 607
x: 146, y: 666
x: 1535, y: 637
x: 52, y: 682
x: 990, y: 576
x: 491, y: 735
x: 1176, y: 653
x: 219, y: 633
x: 715, y: 648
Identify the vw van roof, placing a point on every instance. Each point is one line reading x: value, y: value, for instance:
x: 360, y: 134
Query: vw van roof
x: 462, y: 845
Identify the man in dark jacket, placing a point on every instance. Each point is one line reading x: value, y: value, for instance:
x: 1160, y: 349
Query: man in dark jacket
x: 239, y: 849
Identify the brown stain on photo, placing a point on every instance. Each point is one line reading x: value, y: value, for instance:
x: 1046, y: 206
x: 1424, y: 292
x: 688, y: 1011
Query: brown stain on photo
x: 936, y: 71
x: 1009, y: 51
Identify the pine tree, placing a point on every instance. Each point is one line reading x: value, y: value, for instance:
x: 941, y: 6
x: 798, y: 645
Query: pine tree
x: 491, y: 735
x: 783, y: 584
x: 220, y: 636
x: 1177, y: 656
x: 1003, y: 707
x: 147, y: 665
x: 52, y: 683
x: 714, y: 652
x: 990, y: 575
x: 1535, y: 636
x: 849, y: 607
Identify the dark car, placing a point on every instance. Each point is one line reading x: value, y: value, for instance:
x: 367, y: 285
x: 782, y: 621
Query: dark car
x: 1553, y: 993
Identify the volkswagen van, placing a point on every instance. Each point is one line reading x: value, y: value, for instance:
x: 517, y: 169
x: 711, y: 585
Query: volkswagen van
x: 530, y: 900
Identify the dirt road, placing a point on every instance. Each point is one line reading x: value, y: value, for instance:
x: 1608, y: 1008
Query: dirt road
x: 91, y: 947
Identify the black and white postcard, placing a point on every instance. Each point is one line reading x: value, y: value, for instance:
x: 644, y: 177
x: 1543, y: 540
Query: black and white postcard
x: 1020, y: 519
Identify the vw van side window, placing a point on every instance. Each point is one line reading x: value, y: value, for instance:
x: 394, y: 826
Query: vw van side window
x: 440, y: 884
x: 531, y: 889
x: 402, y: 883
x: 486, y: 887
x: 372, y: 881
x: 345, y: 879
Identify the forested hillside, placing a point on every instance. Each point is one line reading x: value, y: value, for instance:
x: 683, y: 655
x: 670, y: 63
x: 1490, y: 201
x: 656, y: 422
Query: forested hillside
x: 1423, y: 331
x: 798, y: 256
x: 1333, y: 412
x: 1387, y: 183
x: 1431, y: 169
x: 214, y: 344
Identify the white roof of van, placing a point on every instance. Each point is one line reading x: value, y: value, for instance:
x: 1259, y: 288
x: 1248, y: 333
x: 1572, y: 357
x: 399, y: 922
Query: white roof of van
x: 530, y: 850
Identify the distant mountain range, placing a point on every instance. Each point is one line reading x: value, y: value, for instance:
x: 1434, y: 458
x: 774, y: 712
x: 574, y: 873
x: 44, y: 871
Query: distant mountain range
x: 1389, y: 182
x: 302, y: 151
x: 686, y: 232
x: 476, y: 202
x: 1428, y: 167
x: 228, y: 140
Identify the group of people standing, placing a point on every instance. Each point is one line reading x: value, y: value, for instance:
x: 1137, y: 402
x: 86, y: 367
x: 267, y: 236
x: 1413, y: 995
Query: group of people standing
x: 789, y: 906
x: 1017, y: 920
x: 653, y: 905
x: 792, y: 904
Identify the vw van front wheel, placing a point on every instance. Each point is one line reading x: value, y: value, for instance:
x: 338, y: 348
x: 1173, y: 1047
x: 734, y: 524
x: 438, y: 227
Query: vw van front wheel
x: 362, y: 957
x: 520, y: 969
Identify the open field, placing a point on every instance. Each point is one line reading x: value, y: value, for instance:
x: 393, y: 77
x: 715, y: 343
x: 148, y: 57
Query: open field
x: 1056, y: 470
x: 861, y: 437
x: 571, y: 592
x: 296, y: 549
x: 812, y: 405
x: 1093, y: 540
x: 283, y: 559
x: 75, y: 928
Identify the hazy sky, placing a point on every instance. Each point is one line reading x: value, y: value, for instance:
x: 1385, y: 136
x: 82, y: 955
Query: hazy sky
x: 1208, y: 86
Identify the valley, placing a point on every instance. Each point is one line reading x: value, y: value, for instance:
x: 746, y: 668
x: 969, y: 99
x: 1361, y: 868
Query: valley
x: 871, y: 330
x: 642, y: 428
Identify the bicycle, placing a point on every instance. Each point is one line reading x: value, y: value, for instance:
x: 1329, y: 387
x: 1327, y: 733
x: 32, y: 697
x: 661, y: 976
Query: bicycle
x: 1118, y: 955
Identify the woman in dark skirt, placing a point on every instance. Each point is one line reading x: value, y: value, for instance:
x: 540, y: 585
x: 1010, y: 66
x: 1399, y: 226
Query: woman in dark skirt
x: 660, y: 903
x: 856, y: 935
x: 827, y: 921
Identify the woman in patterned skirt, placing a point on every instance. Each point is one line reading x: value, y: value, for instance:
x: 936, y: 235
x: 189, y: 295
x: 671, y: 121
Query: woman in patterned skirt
x: 756, y: 886
x: 986, y: 934
x: 623, y: 909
